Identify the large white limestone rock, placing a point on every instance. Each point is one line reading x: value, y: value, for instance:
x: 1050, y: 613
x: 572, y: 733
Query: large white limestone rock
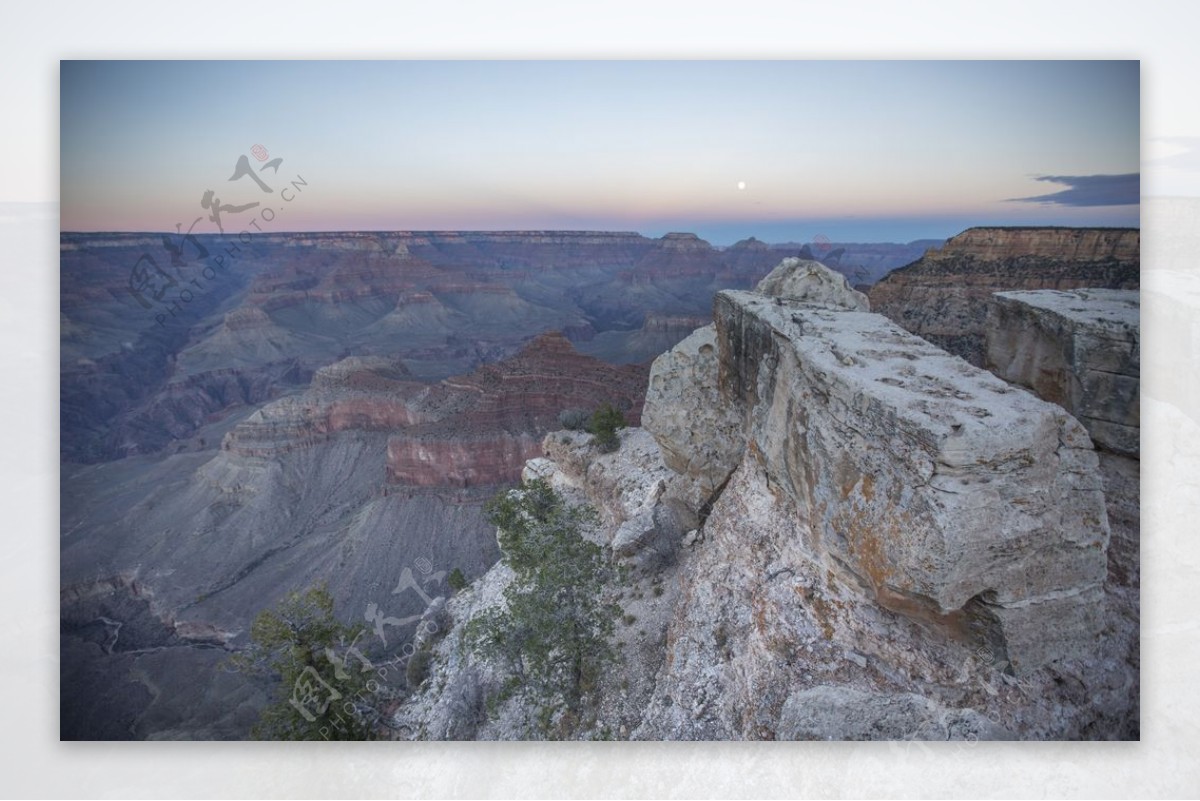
x: 948, y: 495
x: 1080, y: 349
x: 700, y: 436
x: 813, y: 284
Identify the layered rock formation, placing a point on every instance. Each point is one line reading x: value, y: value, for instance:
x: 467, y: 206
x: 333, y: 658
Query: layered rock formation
x: 139, y: 330
x: 943, y: 296
x: 1079, y: 349
x: 502, y: 412
x: 805, y: 538
x: 684, y: 398
x: 849, y: 534
x: 366, y: 473
x: 467, y: 431
x: 1082, y: 350
x: 934, y: 485
x: 1060, y: 244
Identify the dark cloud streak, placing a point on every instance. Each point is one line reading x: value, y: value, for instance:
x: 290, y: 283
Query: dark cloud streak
x: 1090, y: 190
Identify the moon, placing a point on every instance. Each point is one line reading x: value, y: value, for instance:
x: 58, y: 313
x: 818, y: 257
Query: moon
x: 741, y: 184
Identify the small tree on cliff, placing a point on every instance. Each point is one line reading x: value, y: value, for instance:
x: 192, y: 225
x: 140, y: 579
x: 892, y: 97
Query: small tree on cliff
x: 457, y: 580
x: 603, y: 427
x: 327, y: 689
x: 553, y: 631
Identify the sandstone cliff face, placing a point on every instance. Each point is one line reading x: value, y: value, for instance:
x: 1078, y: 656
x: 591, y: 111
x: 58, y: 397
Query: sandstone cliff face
x: 849, y: 534
x: 1060, y: 244
x: 1079, y: 349
x: 943, y: 296
x: 684, y: 398
x: 1082, y: 350
x: 706, y: 438
x: 934, y: 485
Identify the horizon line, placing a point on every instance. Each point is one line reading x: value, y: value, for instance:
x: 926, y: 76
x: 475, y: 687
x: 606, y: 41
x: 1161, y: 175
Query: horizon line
x: 592, y: 231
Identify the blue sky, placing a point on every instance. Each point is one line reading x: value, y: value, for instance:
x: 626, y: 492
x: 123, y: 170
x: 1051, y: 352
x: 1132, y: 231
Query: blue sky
x: 781, y: 150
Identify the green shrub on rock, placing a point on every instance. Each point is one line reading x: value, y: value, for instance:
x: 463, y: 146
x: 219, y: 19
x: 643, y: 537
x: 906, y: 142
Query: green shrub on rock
x: 603, y: 427
x: 552, y: 634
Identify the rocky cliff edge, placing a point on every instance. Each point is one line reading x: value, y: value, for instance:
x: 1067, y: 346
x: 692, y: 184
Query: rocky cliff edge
x: 838, y: 531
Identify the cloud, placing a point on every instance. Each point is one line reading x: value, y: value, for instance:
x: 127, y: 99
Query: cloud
x: 1090, y: 190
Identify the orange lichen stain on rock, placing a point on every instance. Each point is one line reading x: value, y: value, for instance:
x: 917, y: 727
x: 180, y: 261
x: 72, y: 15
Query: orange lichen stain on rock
x: 846, y: 475
x: 866, y: 540
x: 955, y: 623
x: 868, y: 547
x: 849, y: 476
x: 868, y: 486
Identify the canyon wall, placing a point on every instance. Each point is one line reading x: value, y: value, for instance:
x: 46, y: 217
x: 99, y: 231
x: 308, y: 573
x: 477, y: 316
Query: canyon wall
x: 1080, y: 349
x: 363, y: 475
x: 153, y: 350
x: 943, y: 296
x: 1060, y: 244
x: 467, y: 431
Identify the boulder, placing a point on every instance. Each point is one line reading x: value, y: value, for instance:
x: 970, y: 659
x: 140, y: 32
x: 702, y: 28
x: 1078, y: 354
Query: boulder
x: 700, y: 436
x: 633, y: 535
x: 948, y: 495
x: 812, y: 283
x: 1080, y: 349
x: 846, y: 713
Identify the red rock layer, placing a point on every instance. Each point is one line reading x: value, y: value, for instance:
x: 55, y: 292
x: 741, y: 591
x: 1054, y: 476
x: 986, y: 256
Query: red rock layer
x: 471, y: 430
x: 502, y: 411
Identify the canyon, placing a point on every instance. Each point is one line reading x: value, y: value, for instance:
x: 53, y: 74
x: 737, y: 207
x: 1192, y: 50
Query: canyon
x: 338, y: 407
x: 161, y: 335
x: 245, y: 416
x: 363, y: 475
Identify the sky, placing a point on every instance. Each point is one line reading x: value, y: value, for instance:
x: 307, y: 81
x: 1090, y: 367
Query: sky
x: 785, y: 151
